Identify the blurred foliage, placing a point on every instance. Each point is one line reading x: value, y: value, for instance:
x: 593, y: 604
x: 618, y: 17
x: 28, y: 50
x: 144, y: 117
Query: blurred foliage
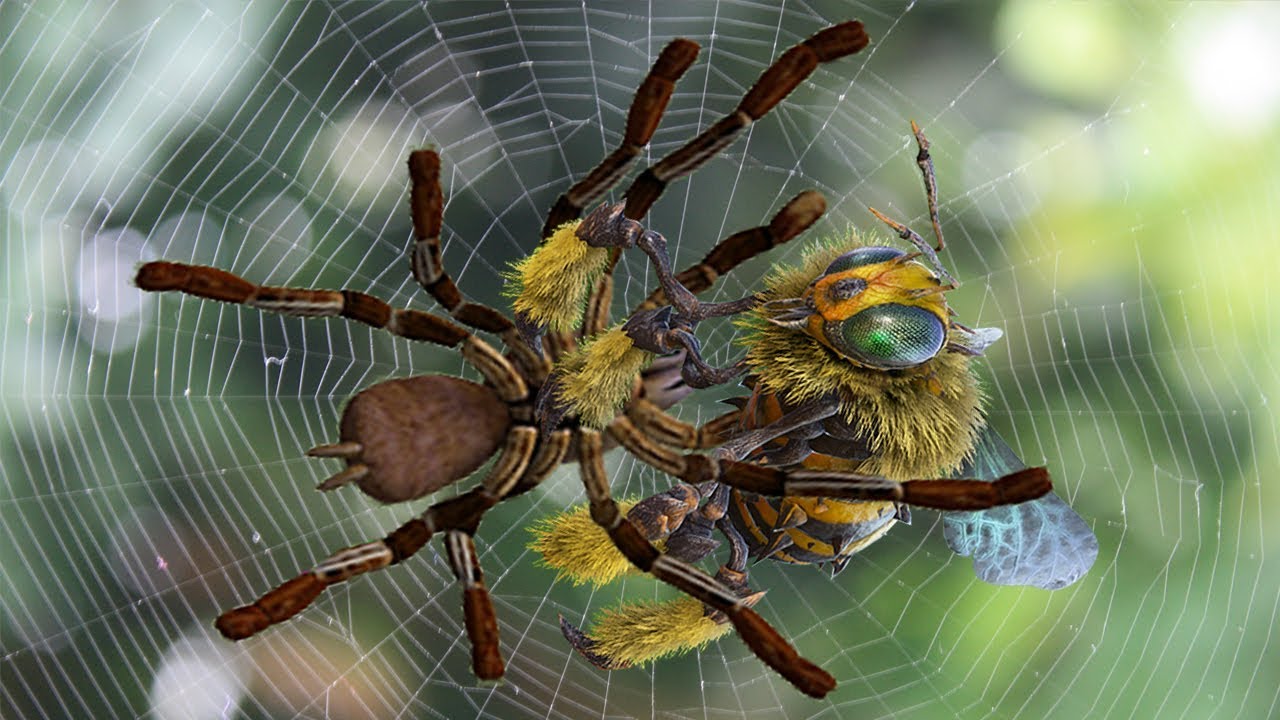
x: 1108, y: 183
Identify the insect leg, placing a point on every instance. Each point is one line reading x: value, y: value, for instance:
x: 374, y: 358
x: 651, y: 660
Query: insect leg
x: 670, y: 327
x: 763, y: 640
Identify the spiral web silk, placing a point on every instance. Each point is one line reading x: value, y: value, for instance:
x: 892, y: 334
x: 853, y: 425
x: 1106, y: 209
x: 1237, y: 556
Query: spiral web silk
x: 151, y: 467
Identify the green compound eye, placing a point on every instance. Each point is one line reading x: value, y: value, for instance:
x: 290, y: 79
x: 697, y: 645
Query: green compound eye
x: 888, y: 336
x: 862, y: 256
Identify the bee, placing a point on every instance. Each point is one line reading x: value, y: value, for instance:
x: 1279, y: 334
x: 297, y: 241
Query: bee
x: 858, y: 348
x: 564, y: 386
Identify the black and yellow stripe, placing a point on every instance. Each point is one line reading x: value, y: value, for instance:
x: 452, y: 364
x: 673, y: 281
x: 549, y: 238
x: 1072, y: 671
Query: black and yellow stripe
x: 832, y: 531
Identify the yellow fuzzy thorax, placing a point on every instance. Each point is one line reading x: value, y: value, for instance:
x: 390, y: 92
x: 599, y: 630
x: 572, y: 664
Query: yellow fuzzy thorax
x: 640, y: 633
x: 550, y: 286
x: 919, y: 422
x: 597, y: 378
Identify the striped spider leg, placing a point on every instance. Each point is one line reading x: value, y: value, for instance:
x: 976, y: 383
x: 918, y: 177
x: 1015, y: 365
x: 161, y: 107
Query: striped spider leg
x: 382, y: 440
x: 647, y: 106
x: 775, y: 83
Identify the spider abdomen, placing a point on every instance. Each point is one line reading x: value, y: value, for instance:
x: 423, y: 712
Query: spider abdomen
x: 411, y: 438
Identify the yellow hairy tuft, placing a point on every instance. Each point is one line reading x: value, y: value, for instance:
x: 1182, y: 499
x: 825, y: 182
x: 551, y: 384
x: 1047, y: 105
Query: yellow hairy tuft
x: 640, y: 633
x: 578, y: 549
x: 551, y: 285
x: 597, y: 378
x: 919, y: 422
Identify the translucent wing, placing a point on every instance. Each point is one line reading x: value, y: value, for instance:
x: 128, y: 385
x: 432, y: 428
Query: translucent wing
x: 1042, y: 543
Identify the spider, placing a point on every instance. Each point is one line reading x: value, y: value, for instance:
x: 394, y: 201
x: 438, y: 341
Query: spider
x: 405, y: 438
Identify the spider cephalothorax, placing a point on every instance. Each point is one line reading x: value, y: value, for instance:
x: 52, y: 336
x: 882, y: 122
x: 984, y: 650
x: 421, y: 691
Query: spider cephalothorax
x: 400, y: 440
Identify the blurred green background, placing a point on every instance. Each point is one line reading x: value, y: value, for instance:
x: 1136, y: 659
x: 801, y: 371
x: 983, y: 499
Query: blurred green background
x: 1109, y: 183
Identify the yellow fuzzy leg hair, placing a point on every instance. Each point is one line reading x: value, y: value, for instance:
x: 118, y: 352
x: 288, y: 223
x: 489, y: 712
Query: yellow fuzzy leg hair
x: 578, y: 549
x: 550, y: 286
x: 596, y: 379
x: 639, y: 633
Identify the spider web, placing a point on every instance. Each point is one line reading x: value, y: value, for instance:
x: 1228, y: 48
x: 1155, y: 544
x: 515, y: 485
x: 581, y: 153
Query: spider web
x: 1105, y: 199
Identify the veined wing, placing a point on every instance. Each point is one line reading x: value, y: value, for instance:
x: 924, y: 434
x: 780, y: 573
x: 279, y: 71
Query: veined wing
x: 1042, y: 543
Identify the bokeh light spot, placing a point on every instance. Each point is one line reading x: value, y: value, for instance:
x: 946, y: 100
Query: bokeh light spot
x: 1232, y: 64
x: 111, y: 307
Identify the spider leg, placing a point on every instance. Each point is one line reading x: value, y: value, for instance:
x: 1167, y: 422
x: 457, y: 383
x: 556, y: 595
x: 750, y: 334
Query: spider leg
x: 477, y: 606
x: 763, y: 640
x: 215, y: 284
x: 774, y: 84
x: 552, y: 449
x: 652, y: 440
x: 596, y: 317
x: 426, y: 203
x: 724, y: 467
x: 1011, y: 489
x: 459, y: 513
x: 647, y: 107
x: 655, y: 423
x: 794, y: 218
